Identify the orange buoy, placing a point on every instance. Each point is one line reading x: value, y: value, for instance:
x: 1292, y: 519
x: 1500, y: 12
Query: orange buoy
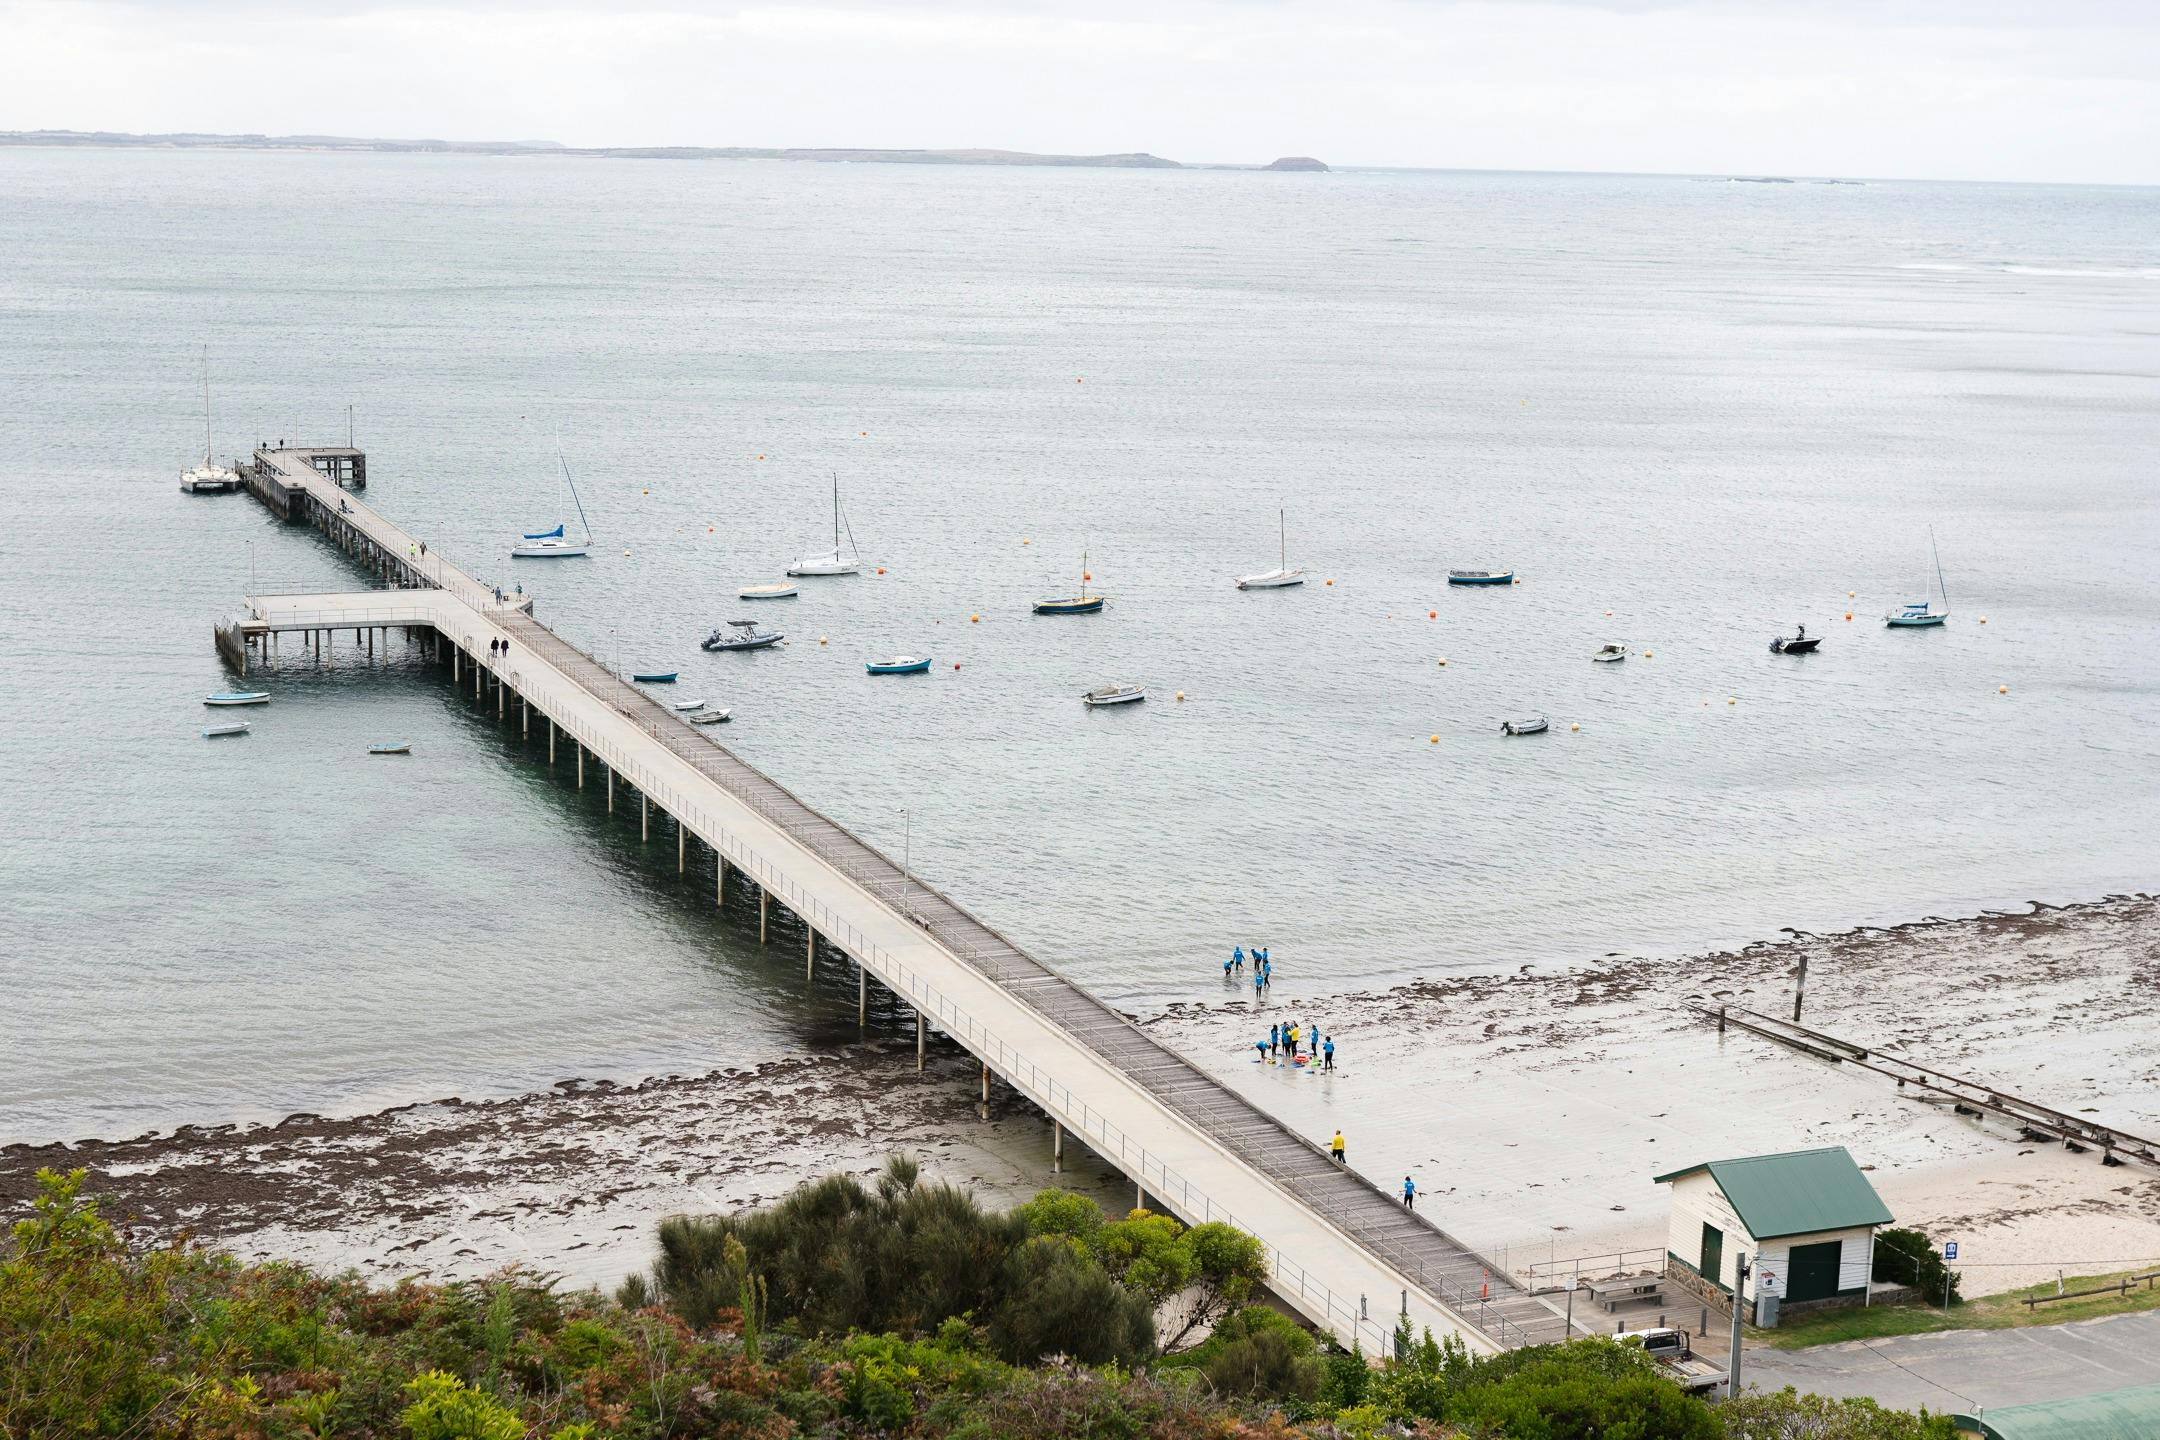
x: 1331, y: 582
x: 1434, y: 741
x: 760, y: 457
x: 1983, y: 619
x: 1518, y: 580
x: 1085, y: 576
x: 865, y: 434
x: 974, y: 619
x: 956, y: 664
x: 880, y: 569
x: 708, y: 529
x: 1432, y: 614
x: 1647, y: 654
x: 2002, y: 689
x: 1443, y: 662
x: 1848, y: 614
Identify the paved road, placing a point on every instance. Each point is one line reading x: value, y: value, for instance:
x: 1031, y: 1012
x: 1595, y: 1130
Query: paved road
x: 1958, y: 1369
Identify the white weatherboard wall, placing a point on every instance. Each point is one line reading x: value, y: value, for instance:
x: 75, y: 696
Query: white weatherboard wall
x: 1853, y: 1262
x: 1697, y: 1201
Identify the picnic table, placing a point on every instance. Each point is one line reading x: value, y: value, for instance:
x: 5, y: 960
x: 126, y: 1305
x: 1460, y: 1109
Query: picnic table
x: 1614, y: 1291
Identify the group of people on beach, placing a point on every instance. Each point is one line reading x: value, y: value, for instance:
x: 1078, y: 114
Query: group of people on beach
x: 1297, y: 1040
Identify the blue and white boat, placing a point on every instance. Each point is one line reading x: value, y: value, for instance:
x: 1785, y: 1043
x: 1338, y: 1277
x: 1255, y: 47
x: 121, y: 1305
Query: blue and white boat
x: 1921, y: 614
x: 1480, y: 577
x: 555, y: 544
x: 654, y: 677
x: 899, y: 665
x: 238, y: 697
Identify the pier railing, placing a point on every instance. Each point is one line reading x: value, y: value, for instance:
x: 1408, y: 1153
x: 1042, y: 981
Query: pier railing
x: 1477, y: 1292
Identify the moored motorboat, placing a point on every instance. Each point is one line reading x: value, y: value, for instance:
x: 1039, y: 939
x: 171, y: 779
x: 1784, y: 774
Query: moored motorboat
x: 899, y: 665
x: 688, y: 705
x: 655, y: 677
x: 1797, y: 643
x: 1103, y: 695
x: 237, y: 727
x: 1610, y: 654
x: 1533, y: 725
x: 746, y: 636
x: 707, y: 717
x: 390, y: 747
x: 238, y: 697
x: 769, y: 590
x: 1480, y: 577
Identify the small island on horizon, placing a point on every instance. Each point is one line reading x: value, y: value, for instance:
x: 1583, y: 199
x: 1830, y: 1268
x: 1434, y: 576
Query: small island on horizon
x: 115, y: 139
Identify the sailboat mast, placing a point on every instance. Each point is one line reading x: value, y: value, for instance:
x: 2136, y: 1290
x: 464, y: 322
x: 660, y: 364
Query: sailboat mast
x: 206, y: 441
x: 583, y: 524
x: 836, y: 515
x: 1940, y: 585
x: 1282, y: 541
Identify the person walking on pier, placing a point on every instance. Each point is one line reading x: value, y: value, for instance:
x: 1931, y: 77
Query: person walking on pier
x: 1335, y: 1150
x: 1409, y: 1193
x: 1327, y: 1050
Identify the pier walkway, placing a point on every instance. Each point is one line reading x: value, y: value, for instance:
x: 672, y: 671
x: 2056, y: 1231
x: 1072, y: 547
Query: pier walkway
x: 1342, y: 1251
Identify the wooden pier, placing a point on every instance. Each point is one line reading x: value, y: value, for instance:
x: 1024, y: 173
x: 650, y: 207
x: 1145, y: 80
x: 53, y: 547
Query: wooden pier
x: 1342, y: 1251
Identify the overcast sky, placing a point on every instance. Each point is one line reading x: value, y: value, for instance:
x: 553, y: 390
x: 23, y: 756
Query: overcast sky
x: 1952, y: 89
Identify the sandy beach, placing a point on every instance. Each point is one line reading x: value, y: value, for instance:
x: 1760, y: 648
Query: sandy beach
x: 1533, y: 1107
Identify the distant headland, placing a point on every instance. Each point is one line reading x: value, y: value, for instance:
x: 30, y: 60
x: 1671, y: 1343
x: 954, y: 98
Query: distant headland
x: 114, y: 139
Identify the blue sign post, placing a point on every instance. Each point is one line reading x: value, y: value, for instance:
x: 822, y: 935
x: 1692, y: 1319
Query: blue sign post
x: 1949, y: 1254
x: 1949, y: 1249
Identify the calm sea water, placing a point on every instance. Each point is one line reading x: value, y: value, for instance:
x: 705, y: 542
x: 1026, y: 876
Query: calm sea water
x: 1690, y: 413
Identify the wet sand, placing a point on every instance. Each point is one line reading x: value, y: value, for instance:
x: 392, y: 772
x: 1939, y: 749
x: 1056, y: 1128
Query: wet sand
x: 1533, y: 1108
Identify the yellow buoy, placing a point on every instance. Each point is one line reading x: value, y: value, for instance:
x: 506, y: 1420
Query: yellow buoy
x: 644, y: 492
x: 1730, y: 700
x: 974, y: 619
x: 1181, y: 694
x: 1518, y: 580
x: 1648, y: 653
x: 1434, y: 741
x: 821, y: 640
x: 1983, y: 619
x: 626, y: 552
x: 1574, y: 727
x: 1443, y: 662
x: 1025, y: 541
x: 1851, y: 594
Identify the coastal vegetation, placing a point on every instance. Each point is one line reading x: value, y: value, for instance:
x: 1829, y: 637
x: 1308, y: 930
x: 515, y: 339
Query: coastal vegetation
x: 747, y: 1330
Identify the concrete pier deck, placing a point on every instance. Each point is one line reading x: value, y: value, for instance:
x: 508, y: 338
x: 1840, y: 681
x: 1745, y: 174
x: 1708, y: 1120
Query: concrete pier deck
x: 1342, y: 1251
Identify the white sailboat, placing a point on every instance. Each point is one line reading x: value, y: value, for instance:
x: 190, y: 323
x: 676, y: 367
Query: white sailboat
x: 555, y: 544
x: 832, y: 562
x: 208, y: 478
x: 1921, y: 613
x: 1282, y: 576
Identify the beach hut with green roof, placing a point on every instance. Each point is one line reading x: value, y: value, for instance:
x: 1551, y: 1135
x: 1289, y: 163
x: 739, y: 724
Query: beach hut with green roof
x: 1806, y: 1218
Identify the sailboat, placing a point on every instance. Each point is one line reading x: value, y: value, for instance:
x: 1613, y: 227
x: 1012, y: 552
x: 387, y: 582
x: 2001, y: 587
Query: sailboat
x: 1282, y: 576
x: 831, y: 562
x: 1922, y: 612
x: 554, y: 544
x: 208, y: 478
x: 1081, y: 604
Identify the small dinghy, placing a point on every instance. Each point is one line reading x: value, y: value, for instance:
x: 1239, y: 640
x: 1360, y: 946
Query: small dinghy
x: 741, y: 635
x: 238, y: 697
x: 687, y: 705
x: 237, y: 727
x: 899, y: 665
x: 1799, y: 643
x: 707, y: 717
x: 390, y: 747
x: 1535, y: 725
x: 654, y: 677
x: 1114, y: 695
x: 770, y: 590
x: 1610, y: 654
x: 1480, y: 577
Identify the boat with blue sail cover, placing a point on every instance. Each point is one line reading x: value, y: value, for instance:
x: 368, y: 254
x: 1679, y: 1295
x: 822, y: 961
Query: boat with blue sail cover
x: 1921, y: 614
x: 555, y: 544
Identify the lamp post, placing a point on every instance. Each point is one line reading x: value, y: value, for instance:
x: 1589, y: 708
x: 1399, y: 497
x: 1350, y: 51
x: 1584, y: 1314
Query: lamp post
x: 907, y: 860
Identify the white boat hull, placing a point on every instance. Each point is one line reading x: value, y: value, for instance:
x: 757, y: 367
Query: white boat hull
x: 208, y: 480
x: 1098, y: 699
x: 825, y: 567
x: 767, y: 592
x: 549, y: 549
x: 1272, y: 580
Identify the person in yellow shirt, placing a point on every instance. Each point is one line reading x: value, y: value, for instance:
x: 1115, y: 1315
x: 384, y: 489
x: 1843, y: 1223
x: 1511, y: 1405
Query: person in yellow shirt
x: 1335, y: 1149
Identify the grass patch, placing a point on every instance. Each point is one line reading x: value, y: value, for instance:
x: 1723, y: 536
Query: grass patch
x: 2007, y: 1311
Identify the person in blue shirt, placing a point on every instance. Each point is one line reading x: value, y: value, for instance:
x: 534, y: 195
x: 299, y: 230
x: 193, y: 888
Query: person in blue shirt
x: 1261, y: 1046
x: 1226, y: 969
x: 1327, y: 1051
x: 1274, y: 1038
x: 1259, y: 982
x: 1409, y: 1193
x: 1237, y: 958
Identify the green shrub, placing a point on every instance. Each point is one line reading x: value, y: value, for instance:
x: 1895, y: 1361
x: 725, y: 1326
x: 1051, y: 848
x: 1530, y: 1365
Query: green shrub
x: 1909, y: 1257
